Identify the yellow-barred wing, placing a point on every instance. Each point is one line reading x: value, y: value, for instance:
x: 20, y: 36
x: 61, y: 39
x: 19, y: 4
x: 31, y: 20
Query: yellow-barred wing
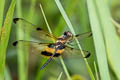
x: 35, y: 31
x: 44, y: 49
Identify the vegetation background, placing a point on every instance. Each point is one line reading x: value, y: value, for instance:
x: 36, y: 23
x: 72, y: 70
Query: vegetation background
x: 101, y: 17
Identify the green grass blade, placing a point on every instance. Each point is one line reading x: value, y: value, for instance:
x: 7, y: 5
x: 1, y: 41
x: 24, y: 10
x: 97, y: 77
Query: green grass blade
x: 39, y: 73
x: 72, y: 30
x: 5, y: 38
x: 98, y: 39
x: 2, y: 3
x: 32, y: 10
x: 96, y: 71
x: 112, y: 40
x: 59, y: 77
x: 18, y: 8
x: 65, y: 69
x: 45, y: 19
x: 7, y: 74
x: 27, y: 37
x: 61, y: 24
x: 22, y: 68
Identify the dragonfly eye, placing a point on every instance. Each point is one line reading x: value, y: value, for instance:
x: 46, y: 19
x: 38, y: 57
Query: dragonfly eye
x: 67, y: 34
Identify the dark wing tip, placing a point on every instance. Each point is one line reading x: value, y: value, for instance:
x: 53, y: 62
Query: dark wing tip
x: 15, y: 43
x: 90, y: 34
x: 38, y: 29
x: 88, y: 55
x: 15, y: 20
x: 77, y: 35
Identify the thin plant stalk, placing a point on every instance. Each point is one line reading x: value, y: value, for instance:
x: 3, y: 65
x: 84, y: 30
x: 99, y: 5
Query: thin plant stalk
x: 59, y: 77
x: 22, y: 72
x: 62, y: 62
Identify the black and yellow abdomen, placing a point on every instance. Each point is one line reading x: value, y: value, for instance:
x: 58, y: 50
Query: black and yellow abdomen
x: 50, y: 49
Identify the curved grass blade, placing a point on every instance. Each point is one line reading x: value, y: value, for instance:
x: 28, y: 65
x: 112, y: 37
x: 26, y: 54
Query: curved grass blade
x: 111, y: 39
x: 72, y: 30
x: 5, y: 37
x: 2, y: 3
x: 22, y: 75
x: 98, y: 39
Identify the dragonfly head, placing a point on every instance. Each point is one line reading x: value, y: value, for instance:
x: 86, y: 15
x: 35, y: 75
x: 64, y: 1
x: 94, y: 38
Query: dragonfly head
x: 67, y: 33
x: 68, y: 36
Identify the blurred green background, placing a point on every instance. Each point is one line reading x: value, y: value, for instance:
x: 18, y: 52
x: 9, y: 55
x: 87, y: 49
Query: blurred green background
x: 77, y: 11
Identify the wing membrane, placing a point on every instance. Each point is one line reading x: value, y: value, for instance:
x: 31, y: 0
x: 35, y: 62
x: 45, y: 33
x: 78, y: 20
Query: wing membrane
x: 83, y: 35
x: 34, y: 47
x: 35, y: 31
x: 69, y: 51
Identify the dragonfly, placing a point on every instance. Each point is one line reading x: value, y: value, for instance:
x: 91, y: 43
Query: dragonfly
x: 51, y: 46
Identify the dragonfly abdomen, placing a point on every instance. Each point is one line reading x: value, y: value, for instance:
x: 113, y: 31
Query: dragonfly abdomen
x: 50, y: 49
x: 48, y: 54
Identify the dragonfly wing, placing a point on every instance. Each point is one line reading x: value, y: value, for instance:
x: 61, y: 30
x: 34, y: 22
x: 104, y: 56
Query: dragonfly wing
x: 34, y: 47
x: 35, y: 31
x: 69, y: 51
x: 83, y: 35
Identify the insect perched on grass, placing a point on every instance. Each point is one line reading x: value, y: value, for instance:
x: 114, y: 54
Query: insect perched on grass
x: 48, y: 47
